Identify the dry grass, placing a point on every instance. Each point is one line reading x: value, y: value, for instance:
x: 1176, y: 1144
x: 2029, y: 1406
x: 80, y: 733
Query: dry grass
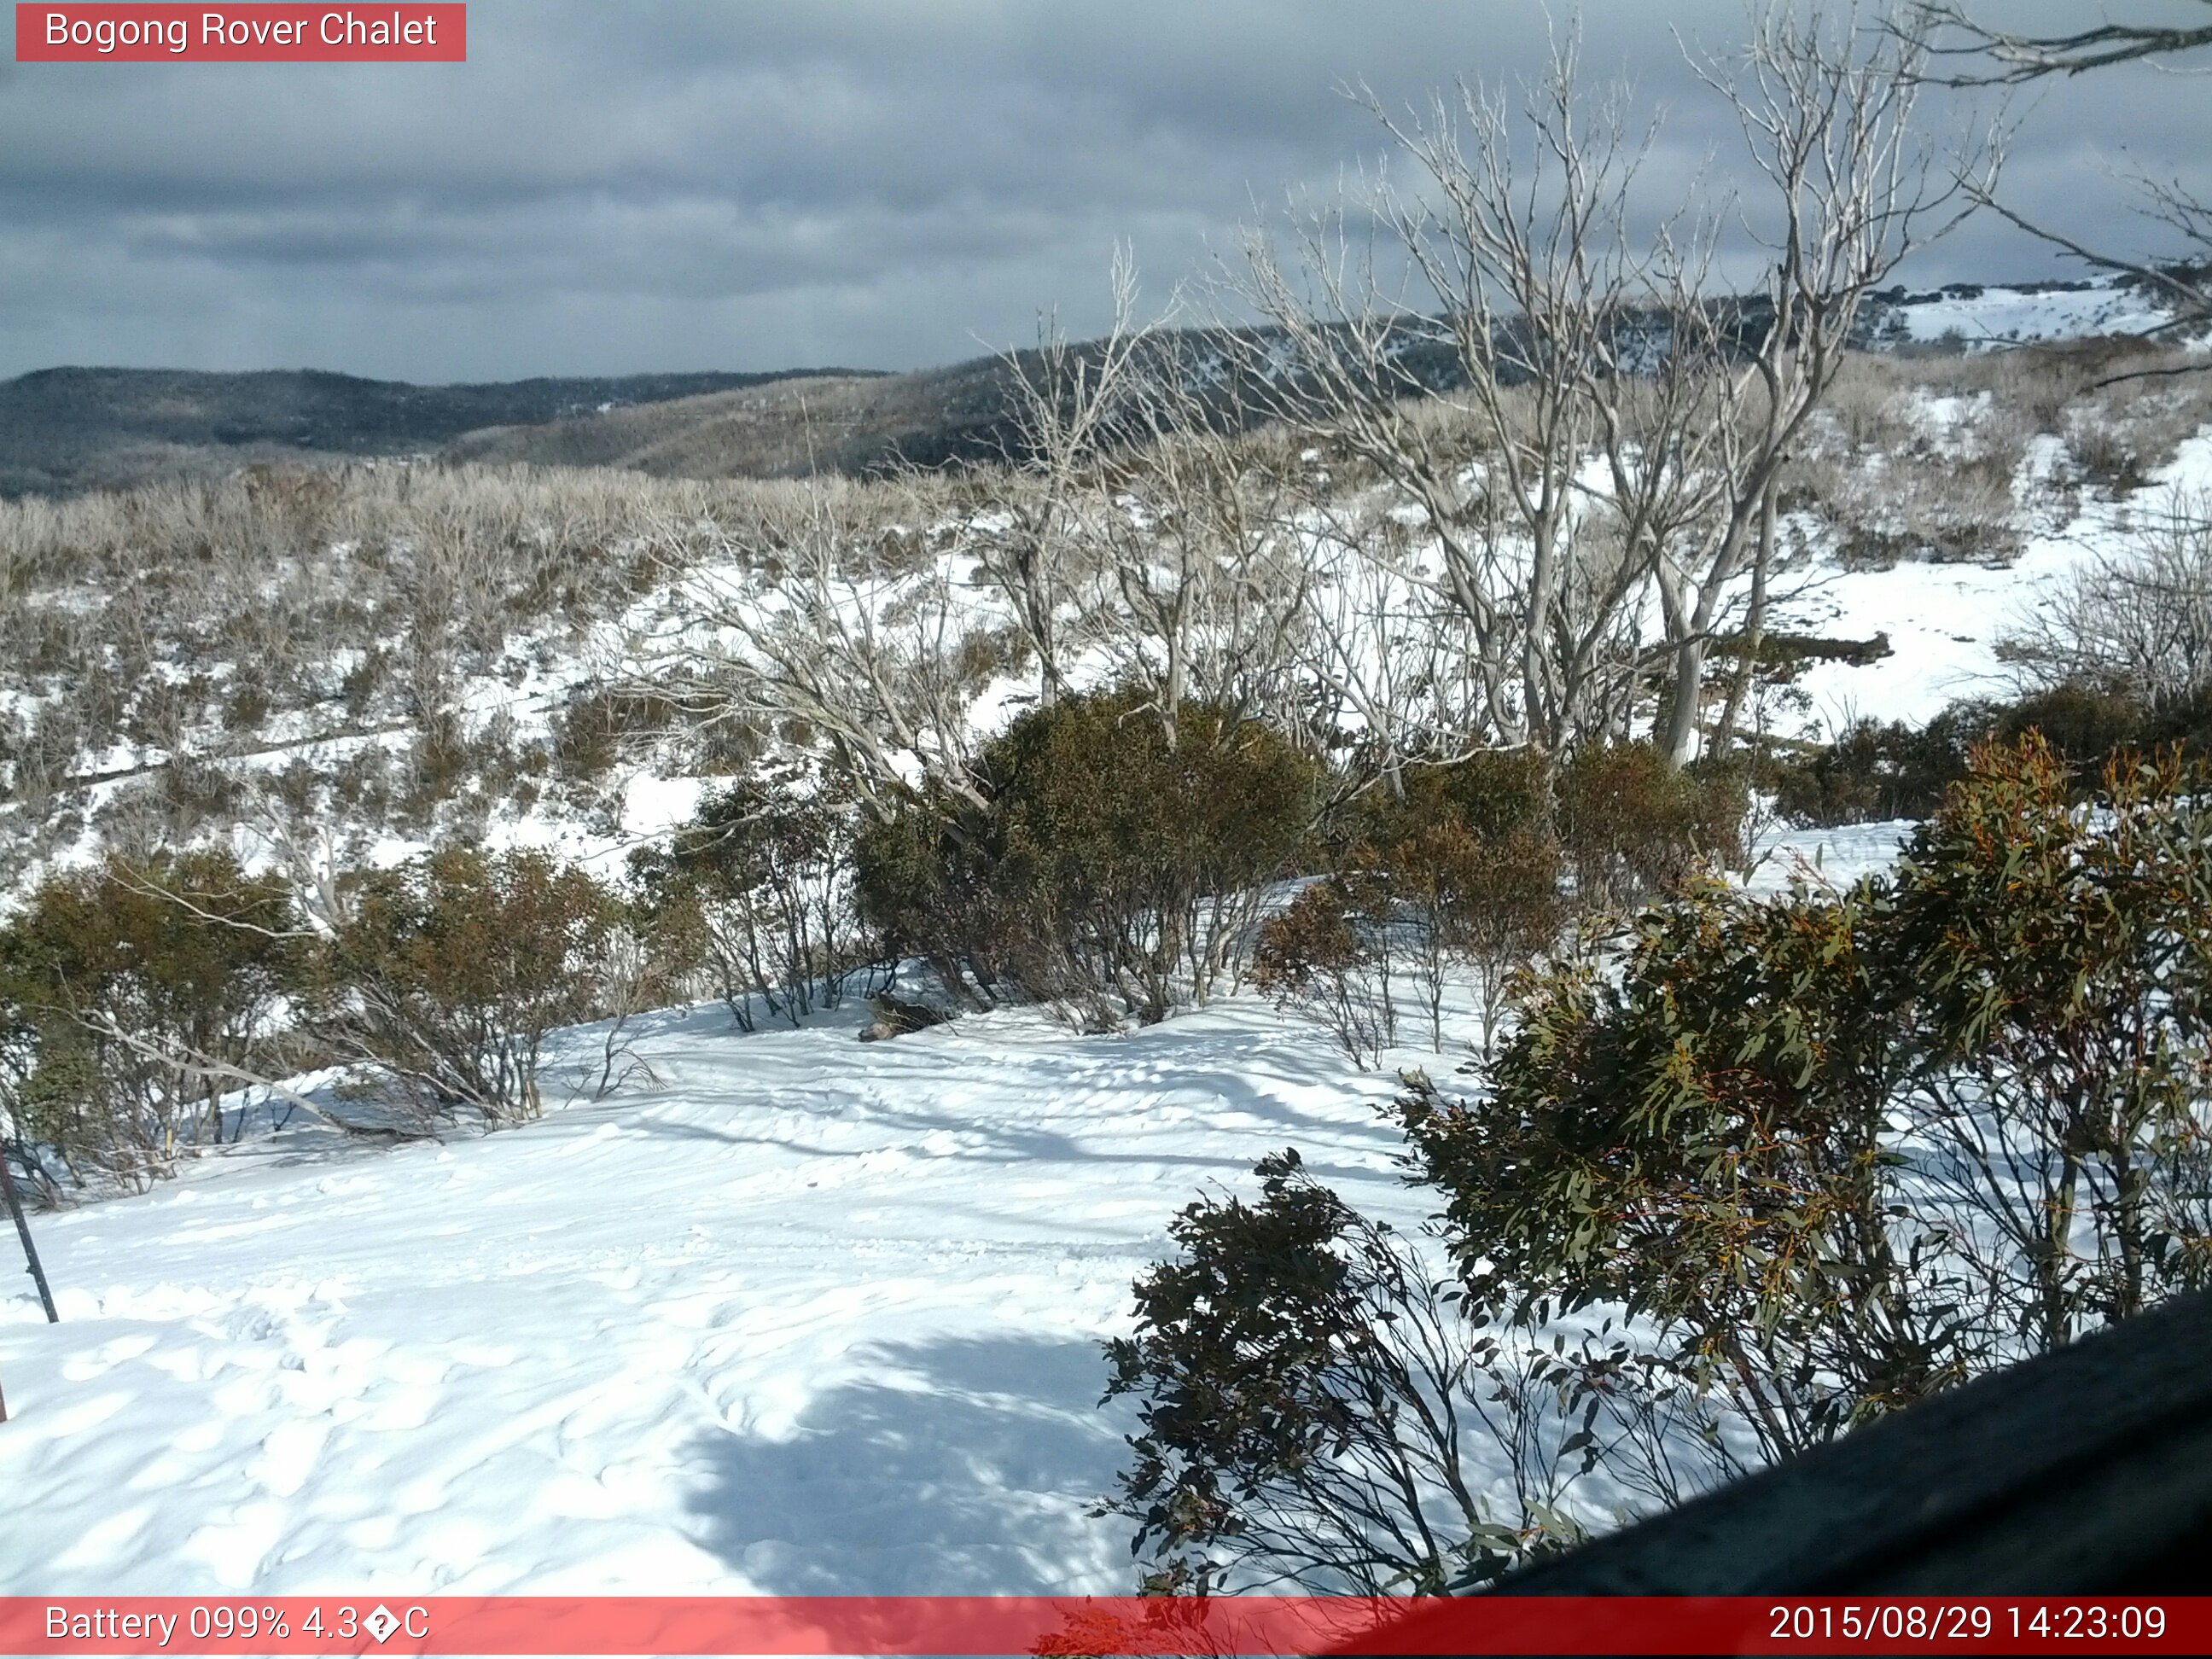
x: 854, y: 424
x: 212, y: 620
x: 1926, y: 456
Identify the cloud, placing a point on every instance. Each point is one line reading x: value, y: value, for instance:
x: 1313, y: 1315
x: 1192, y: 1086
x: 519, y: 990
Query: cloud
x: 689, y: 183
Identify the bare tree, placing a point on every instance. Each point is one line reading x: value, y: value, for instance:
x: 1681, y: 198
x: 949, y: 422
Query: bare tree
x: 640, y: 969
x: 196, y: 1067
x: 1469, y: 365
x: 1577, y: 419
x: 834, y: 626
x: 1848, y: 191
x: 1381, y: 645
x: 2138, y: 619
x: 1068, y: 402
x: 1199, y: 585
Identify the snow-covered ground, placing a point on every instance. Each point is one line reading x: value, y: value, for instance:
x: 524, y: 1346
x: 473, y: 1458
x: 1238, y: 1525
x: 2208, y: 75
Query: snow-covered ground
x: 803, y: 1316
x: 1945, y: 621
x: 1985, y: 317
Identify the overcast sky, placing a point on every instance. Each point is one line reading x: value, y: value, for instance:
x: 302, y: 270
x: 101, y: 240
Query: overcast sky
x: 618, y: 185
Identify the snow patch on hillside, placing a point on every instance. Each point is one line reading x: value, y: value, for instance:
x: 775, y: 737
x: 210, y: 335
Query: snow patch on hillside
x: 1945, y: 621
x: 1989, y: 318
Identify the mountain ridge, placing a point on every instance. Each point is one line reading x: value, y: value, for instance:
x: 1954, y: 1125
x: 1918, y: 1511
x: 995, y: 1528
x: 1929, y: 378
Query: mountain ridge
x: 67, y: 429
x: 71, y: 428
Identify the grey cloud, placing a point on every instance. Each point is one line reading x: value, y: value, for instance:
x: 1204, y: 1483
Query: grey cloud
x: 701, y: 183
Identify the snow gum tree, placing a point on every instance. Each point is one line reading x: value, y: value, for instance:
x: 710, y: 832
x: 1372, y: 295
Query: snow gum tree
x: 1848, y: 187
x: 1475, y: 381
x: 1700, y: 1144
x: 1850, y: 1147
x: 1587, y: 437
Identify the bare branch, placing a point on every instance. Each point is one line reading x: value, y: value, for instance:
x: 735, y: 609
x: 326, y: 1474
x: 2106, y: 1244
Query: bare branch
x: 2018, y: 58
x: 196, y: 1066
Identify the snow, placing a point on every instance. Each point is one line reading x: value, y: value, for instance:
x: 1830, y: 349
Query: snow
x: 802, y: 1316
x: 1998, y: 316
x: 1836, y: 856
x: 1945, y: 621
x: 656, y: 806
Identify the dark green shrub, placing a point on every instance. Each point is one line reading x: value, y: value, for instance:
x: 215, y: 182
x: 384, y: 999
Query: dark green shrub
x: 923, y: 882
x: 1328, y: 957
x: 2084, y: 725
x: 447, y: 975
x: 2184, y: 723
x: 1141, y: 867
x: 589, y: 734
x: 1497, y: 907
x: 1877, y: 771
x: 2089, y: 726
x: 1491, y: 793
x: 437, y: 762
x: 1631, y: 825
x: 192, y: 790
x: 1440, y: 867
x: 1117, y: 874
x: 131, y: 994
x: 1490, y: 903
x: 248, y: 706
x: 1802, y: 1160
x: 364, y: 680
x: 764, y: 874
x: 1312, y: 1405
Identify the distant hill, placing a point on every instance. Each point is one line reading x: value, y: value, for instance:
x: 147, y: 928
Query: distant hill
x: 65, y: 429
x: 849, y: 423
x: 793, y: 426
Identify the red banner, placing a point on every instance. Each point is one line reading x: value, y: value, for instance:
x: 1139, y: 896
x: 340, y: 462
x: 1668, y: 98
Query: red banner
x: 111, y: 33
x: 1098, y: 1624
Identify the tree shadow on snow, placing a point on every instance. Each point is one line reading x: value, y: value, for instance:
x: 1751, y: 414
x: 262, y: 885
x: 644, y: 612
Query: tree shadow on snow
x: 961, y: 1468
